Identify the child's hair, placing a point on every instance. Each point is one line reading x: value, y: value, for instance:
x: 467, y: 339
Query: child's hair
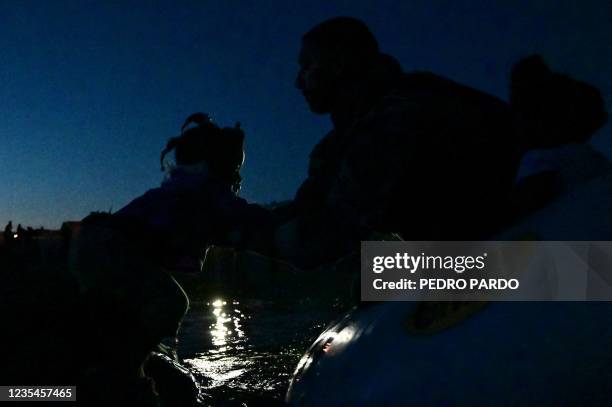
x: 222, y: 149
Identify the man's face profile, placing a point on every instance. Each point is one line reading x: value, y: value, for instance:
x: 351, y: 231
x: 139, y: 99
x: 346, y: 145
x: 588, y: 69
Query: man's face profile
x: 315, y: 78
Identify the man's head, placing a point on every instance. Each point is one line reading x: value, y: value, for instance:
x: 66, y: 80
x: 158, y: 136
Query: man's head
x: 333, y: 53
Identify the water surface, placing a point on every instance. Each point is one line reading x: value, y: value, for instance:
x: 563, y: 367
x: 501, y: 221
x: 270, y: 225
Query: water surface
x: 243, y: 352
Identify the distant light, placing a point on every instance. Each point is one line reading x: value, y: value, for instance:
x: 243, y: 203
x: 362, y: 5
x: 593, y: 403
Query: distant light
x: 15, y: 235
x: 217, y: 303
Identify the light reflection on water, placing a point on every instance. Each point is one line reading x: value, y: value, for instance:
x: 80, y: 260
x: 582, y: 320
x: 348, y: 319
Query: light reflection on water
x: 246, y: 347
x: 218, y: 365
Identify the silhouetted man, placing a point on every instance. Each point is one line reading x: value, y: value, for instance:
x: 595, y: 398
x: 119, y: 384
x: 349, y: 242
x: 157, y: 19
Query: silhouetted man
x: 20, y: 231
x: 411, y: 153
x: 8, y: 232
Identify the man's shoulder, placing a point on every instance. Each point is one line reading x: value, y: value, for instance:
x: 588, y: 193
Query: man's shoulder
x: 424, y: 100
x: 431, y: 91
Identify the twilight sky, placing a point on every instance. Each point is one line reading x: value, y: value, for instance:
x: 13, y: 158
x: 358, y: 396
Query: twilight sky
x: 90, y: 91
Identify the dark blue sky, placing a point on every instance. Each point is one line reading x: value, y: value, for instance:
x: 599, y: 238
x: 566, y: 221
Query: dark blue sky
x: 91, y: 90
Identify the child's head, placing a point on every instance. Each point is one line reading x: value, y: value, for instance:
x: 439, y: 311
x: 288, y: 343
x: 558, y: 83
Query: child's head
x: 222, y: 149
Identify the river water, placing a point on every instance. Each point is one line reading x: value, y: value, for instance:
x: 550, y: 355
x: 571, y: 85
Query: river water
x: 243, y: 352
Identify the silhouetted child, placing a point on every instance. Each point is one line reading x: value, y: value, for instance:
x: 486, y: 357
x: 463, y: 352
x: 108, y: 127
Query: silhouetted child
x: 121, y: 260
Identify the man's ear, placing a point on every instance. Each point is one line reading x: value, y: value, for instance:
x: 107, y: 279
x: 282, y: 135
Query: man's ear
x: 338, y: 65
x: 333, y: 61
